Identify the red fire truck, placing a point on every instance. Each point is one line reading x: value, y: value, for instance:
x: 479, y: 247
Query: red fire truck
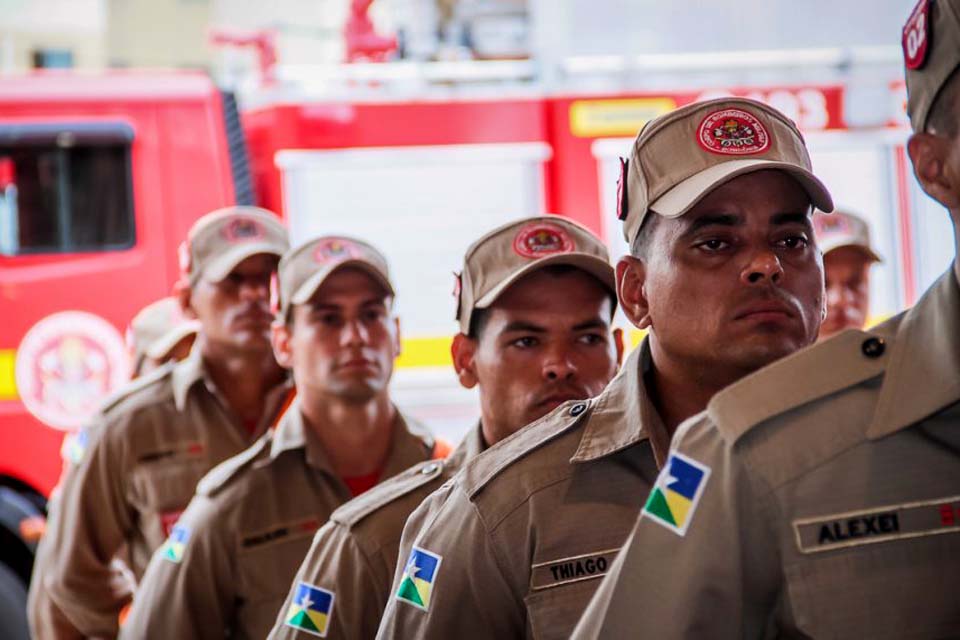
x: 102, y: 175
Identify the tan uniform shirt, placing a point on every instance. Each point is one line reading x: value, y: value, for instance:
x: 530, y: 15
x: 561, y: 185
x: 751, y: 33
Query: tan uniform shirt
x: 354, y: 555
x: 515, y: 544
x: 227, y: 566
x: 144, y: 456
x: 832, y: 504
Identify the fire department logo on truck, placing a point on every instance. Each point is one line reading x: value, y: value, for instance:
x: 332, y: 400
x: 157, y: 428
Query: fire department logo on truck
x: 67, y: 364
x: 733, y: 132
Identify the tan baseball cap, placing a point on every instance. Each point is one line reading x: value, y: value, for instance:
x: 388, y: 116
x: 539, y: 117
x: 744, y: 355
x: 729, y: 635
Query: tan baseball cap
x: 224, y: 238
x: 157, y: 328
x: 682, y: 156
x: 931, y: 53
x: 843, y: 229
x: 506, y: 254
x: 303, y: 269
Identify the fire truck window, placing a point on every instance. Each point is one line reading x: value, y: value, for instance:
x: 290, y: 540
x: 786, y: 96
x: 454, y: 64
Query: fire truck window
x: 65, y: 199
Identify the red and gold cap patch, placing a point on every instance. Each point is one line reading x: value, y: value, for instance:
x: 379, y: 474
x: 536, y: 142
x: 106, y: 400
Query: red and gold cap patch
x: 733, y: 132
x: 243, y: 230
x: 825, y: 225
x: 335, y: 250
x: 542, y: 239
x: 916, y: 36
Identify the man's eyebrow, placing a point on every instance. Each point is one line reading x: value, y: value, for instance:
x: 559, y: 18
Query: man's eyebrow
x: 523, y: 326
x: 596, y: 323
x: 719, y: 219
x: 792, y: 218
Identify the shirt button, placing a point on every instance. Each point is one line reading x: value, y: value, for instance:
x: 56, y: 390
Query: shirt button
x: 873, y: 347
x: 578, y: 408
x: 430, y: 468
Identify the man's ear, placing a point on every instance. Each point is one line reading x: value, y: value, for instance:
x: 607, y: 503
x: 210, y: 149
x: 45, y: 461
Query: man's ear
x: 397, y: 343
x: 463, y: 350
x: 181, y: 290
x: 618, y: 344
x: 280, y: 340
x: 631, y: 291
x: 929, y: 154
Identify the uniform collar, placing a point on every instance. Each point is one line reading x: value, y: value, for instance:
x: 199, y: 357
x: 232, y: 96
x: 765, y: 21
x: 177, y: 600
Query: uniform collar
x: 186, y: 374
x: 623, y: 414
x: 923, y: 373
x: 411, y: 442
x: 470, y: 447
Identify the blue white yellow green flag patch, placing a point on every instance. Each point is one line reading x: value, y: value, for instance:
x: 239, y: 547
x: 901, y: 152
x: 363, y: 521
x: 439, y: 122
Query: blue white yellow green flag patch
x: 172, y: 550
x: 310, y: 610
x: 419, y: 578
x: 674, y: 497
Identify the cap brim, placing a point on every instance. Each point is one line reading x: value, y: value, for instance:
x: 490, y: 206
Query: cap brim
x: 827, y: 247
x: 682, y: 197
x: 314, y: 282
x: 220, y: 267
x: 593, y: 265
x: 160, y: 347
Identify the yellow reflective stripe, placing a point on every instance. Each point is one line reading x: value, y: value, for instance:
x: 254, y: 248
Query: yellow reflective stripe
x: 425, y: 352
x: 8, y: 382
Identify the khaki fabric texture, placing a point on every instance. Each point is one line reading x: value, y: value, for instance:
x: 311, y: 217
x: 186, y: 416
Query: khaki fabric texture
x: 941, y: 37
x: 354, y: 555
x: 144, y: 456
x: 527, y: 528
x: 303, y: 269
x: 222, y: 239
x: 843, y: 229
x: 670, y: 170
x: 502, y: 256
x: 250, y: 525
x: 833, y: 505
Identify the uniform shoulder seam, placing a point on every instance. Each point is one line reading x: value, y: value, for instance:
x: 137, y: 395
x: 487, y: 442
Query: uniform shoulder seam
x: 388, y: 491
x: 133, y: 389
x: 815, y: 372
x: 482, y: 469
x: 224, y: 473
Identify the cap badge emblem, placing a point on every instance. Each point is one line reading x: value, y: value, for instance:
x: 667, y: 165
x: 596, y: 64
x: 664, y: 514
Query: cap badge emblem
x: 243, y: 230
x: 335, y: 250
x: 733, y: 132
x: 542, y: 239
x: 916, y: 36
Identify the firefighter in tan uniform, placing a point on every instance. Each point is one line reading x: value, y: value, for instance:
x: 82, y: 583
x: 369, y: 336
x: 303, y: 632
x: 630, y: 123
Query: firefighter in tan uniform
x: 159, y: 333
x: 844, y: 239
x: 820, y: 498
x: 527, y: 350
x: 136, y: 467
x: 228, y: 563
x: 717, y: 200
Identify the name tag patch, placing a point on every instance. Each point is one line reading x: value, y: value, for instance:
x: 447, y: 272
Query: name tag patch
x: 555, y: 573
x: 882, y: 524
x: 293, y: 529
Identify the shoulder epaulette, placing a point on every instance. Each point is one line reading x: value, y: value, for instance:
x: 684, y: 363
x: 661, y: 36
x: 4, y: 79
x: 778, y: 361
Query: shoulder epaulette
x: 803, y: 377
x: 387, y: 492
x: 479, y: 471
x: 136, y: 385
x: 220, y: 476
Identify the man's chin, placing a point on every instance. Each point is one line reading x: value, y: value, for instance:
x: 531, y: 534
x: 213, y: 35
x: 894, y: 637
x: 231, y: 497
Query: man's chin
x: 762, y: 353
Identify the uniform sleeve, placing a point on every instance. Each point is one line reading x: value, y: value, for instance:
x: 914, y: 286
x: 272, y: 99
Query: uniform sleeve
x: 336, y: 564
x: 450, y: 581
x: 187, y: 590
x: 88, y: 523
x: 713, y: 573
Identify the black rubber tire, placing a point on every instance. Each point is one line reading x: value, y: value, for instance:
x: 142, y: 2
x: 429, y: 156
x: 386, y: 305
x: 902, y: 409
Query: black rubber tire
x: 13, y: 605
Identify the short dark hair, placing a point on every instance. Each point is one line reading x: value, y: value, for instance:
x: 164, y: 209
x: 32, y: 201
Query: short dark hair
x: 640, y: 247
x: 480, y: 317
x: 944, y: 115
